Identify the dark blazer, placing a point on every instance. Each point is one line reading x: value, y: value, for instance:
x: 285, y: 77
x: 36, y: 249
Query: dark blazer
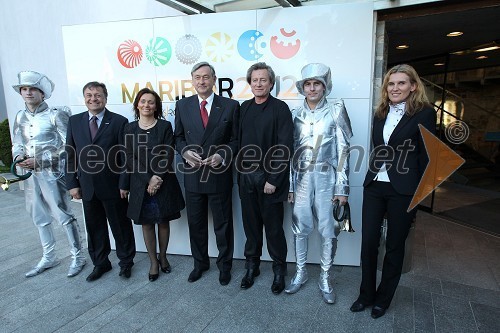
x: 219, y: 136
x: 405, y: 156
x: 274, y: 128
x: 96, y: 166
x: 142, y: 164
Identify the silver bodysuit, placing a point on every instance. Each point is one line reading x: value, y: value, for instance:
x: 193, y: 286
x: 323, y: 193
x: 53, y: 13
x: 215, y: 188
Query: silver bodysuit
x: 42, y: 135
x: 320, y: 165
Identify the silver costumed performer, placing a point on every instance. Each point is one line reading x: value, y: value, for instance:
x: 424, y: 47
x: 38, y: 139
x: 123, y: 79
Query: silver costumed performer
x: 39, y: 136
x: 322, y: 131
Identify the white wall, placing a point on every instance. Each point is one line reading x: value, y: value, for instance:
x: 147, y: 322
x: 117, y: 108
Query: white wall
x: 31, y: 37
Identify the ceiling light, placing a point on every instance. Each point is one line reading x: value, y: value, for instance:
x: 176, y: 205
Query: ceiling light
x: 455, y: 34
x: 458, y: 52
x: 402, y: 47
x: 494, y: 45
x: 439, y: 64
x: 488, y: 48
x: 481, y: 57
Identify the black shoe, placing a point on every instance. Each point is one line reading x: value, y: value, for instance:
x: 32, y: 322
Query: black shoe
x: 357, y: 306
x: 377, y: 312
x: 126, y: 272
x: 98, y: 272
x: 154, y: 276
x: 224, y: 278
x: 247, y: 281
x: 278, y: 284
x: 165, y: 269
x: 195, y: 275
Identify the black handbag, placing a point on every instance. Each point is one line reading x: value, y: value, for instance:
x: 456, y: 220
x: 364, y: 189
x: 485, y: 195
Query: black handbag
x: 343, y: 216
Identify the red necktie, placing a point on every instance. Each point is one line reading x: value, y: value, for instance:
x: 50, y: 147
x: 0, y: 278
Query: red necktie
x: 93, y: 127
x: 204, y: 113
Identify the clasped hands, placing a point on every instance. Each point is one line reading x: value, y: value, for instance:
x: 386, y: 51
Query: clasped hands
x: 154, y: 185
x: 194, y: 160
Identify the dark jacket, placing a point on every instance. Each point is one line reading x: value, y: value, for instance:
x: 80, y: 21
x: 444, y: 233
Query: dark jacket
x: 219, y: 136
x: 273, y: 130
x: 96, y: 166
x: 405, y: 156
x: 148, y: 155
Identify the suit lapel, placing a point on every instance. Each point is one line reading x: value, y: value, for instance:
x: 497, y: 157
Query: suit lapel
x: 106, y: 120
x: 404, y: 120
x: 213, y: 119
x: 378, y: 131
x: 243, y: 111
x: 194, y: 114
x: 85, y: 125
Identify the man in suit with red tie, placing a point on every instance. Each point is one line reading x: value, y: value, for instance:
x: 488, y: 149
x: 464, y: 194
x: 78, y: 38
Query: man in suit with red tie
x: 205, y: 136
x: 96, y: 175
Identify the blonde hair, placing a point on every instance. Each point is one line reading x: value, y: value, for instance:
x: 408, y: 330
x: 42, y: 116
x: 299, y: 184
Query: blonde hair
x: 415, y: 102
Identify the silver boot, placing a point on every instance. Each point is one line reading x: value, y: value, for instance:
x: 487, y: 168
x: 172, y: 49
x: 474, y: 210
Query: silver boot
x: 75, y: 243
x: 49, y: 259
x: 300, y: 276
x: 328, y: 250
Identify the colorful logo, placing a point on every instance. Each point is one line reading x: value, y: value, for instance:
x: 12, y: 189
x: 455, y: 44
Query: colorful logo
x: 188, y: 49
x: 247, y: 45
x: 219, y: 47
x: 280, y: 50
x: 158, y: 51
x: 129, y: 53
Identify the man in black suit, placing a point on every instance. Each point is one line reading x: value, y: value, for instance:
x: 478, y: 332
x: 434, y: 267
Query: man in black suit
x: 266, y: 145
x: 96, y: 175
x: 205, y: 136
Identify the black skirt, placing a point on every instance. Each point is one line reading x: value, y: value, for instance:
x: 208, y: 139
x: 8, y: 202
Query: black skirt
x: 150, y: 212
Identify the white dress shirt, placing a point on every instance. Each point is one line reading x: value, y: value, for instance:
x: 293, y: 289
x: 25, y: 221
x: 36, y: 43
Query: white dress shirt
x: 394, y: 115
x: 210, y: 101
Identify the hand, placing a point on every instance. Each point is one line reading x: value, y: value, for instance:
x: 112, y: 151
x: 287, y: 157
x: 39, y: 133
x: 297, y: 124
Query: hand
x: 213, y: 161
x: 154, y: 185
x: 155, y: 181
x: 123, y: 194
x: 28, y: 163
x: 269, y: 189
x: 192, y: 158
x: 341, y: 198
x: 75, y: 193
x: 290, y: 197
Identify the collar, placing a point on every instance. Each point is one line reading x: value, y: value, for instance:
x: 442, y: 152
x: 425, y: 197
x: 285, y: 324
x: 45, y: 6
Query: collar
x: 209, y: 100
x: 398, y: 109
x: 99, y: 116
x: 43, y: 106
x: 322, y: 102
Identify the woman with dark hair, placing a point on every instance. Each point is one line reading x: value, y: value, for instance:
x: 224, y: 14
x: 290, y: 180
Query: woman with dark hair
x: 396, y: 166
x: 155, y: 194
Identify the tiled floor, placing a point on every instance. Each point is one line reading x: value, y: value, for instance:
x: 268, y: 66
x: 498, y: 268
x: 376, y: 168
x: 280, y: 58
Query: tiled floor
x: 454, y: 286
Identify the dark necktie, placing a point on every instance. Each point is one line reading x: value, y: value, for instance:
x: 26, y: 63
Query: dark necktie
x: 93, y: 127
x: 204, y: 113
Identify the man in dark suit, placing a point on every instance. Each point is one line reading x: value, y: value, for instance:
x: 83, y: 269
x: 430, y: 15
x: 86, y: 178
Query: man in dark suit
x: 266, y: 145
x: 205, y: 136
x: 96, y: 175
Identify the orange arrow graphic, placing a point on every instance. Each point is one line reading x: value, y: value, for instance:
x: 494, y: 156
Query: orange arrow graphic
x: 443, y: 162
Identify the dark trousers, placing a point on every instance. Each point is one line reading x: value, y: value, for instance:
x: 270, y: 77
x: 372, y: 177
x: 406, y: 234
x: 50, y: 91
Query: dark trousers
x: 257, y: 213
x: 222, y: 213
x: 97, y: 214
x: 379, y: 198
